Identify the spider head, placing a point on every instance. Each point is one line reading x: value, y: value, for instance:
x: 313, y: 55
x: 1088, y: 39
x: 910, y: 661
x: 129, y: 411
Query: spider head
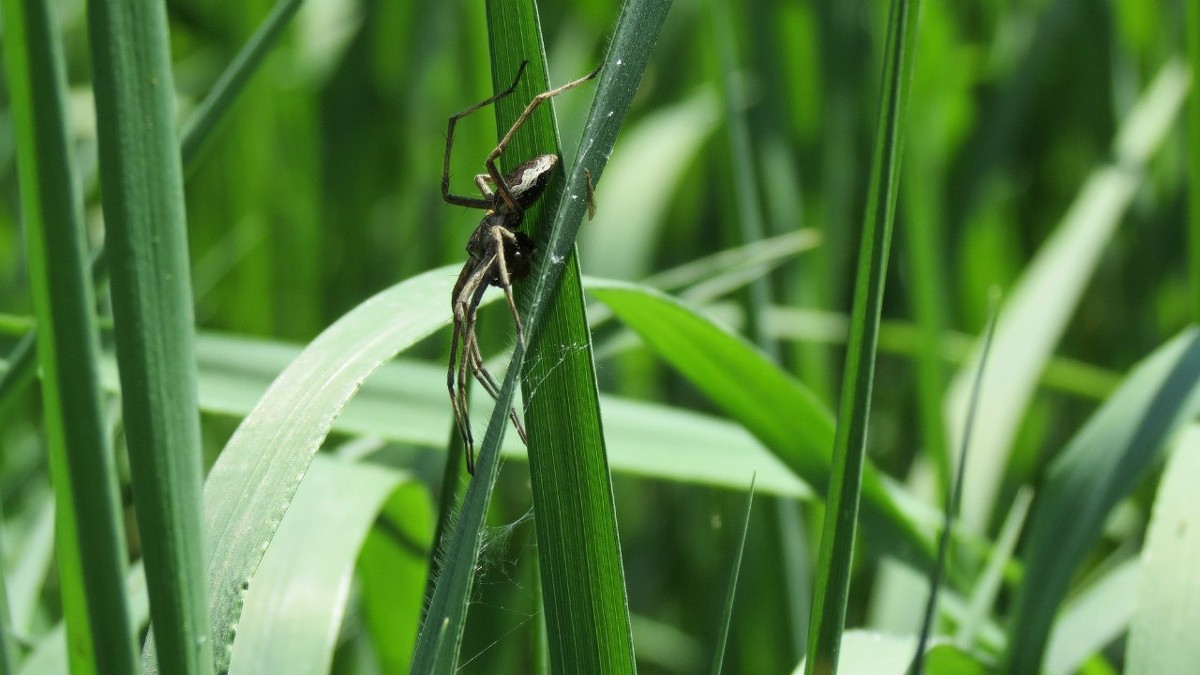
x: 527, y: 181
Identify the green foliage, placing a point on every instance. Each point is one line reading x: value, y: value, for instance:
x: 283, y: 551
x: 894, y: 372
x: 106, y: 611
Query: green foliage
x: 277, y: 195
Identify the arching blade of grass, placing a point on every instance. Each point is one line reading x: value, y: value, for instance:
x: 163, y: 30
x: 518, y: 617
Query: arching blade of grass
x: 783, y: 414
x: 295, y: 605
x: 832, y: 579
x: 1100, y: 466
x: 253, y: 481
x: 91, y: 554
x: 587, y: 634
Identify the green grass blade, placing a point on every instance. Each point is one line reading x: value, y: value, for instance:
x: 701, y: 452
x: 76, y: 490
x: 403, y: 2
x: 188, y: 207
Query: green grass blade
x: 437, y: 646
x: 953, y: 499
x: 146, y: 235
x: 91, y: 536
x: 295, y: 605
x: 832, y: 579
x: 784, y: 415
x: 1036, y: 311
x: 195, y: 132
x: 731, y: 592
x: 1161, y: 639
x: 583, y: 585
x: 233, y: 80
x: 1100, y: 466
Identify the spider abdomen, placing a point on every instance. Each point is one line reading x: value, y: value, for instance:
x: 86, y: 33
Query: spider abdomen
x: 527, y: 181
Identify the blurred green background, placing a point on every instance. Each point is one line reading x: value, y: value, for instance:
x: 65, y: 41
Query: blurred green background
x: 321, y: 188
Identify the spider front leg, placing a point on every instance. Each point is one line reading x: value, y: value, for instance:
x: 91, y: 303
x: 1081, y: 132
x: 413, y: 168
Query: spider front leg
x: 459, y: 200
x: 514, y: 204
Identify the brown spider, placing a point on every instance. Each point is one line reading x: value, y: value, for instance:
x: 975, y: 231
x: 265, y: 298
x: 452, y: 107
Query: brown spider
x: 498, y: 253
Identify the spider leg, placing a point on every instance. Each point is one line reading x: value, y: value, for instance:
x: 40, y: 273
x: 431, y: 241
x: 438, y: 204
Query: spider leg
x: 493, y: 389
x: 478, y: 367
x: 481, y: 182
x: 497, y: 179
x: 469, y: 287
x: 501, y: 235
x: 472, y: 202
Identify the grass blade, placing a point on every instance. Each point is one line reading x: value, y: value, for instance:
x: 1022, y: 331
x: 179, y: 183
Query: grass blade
x: 437, y: 646
x: 142, y: 186
x: 832, y: 580
x: 1099, y: 467
x: 731, y: 592
x: 579, y: 555
x: 91, y: 537
x: 785, y: 416
x: 254, y: 479
x: 233, y: 80
x: 953, y: 498
x: 295, y: 606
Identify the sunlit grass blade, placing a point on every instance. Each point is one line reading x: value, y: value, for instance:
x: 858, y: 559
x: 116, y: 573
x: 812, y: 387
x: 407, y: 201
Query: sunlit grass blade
x: 1037, y: 310
x: 1100, y: 466
x: 294, y: 607
x: 254, y: 479
x: 1161, y: 639
x: 8, y: 642
x: 405, y: 402
x: 832, y: 574
x: 972, y: 622
x: 91, y: 538
x: 1094, y: 617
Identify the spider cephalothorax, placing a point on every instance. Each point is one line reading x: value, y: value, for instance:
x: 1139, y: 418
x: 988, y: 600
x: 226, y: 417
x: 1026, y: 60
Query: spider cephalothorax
x: 498, y: 254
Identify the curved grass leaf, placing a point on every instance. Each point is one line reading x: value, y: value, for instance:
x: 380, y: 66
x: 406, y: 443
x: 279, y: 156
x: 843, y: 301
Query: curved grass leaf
x: 255, y: 478
x: 295, y: 604
x: 1100, y: 466
x: 405, y: 401
x: 784, y: 415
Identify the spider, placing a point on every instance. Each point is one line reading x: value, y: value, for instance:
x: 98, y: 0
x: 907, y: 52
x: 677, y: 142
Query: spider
x: 498, y: 253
